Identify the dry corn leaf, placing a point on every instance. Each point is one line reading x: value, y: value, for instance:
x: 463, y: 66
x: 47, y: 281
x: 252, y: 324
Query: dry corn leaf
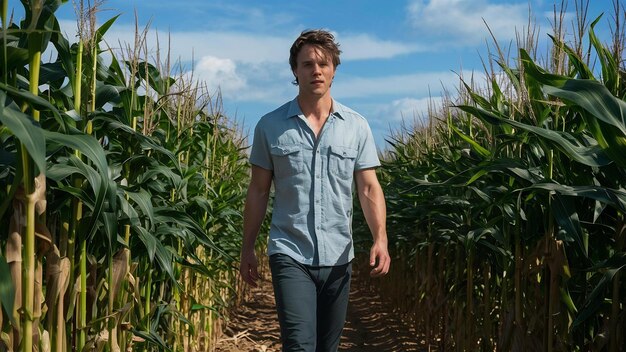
x: 6, y: 342
x: 14, y: 259
x: 44, y: 238
x: 99, y: 342
x: 39, y: 195
x: 37, y: 303
x: 57, y: 275
x: 57, y: 278
x: 14, y: 242
x: 38, y: 299
x: 73, y: 299
x: 92, y: 289
x: 120, y: 270
x: 45, y: 341
x: 134, y: 285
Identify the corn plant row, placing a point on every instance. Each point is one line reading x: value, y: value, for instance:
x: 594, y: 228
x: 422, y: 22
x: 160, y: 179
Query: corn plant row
x: 121, y: 188
x: 506, y: 212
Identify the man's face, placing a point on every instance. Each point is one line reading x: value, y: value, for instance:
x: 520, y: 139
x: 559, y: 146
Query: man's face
x: 314, y: 70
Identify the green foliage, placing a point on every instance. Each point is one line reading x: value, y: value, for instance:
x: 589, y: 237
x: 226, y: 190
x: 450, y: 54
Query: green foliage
x: 507, y: 217
x: 135, y: 161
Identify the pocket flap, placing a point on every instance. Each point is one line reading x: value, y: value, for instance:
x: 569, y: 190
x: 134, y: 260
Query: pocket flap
x: 280, y: 150
x: 344, y: 152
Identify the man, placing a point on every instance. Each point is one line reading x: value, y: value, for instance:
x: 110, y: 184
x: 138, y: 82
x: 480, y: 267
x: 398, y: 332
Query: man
x: 313, y: 149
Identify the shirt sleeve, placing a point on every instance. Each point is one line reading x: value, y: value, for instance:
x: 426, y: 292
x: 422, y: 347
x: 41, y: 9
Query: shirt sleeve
x: 368, y: 154
x: 260, y: 153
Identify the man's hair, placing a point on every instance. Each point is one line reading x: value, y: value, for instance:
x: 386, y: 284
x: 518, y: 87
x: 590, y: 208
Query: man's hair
x: 319, y: 38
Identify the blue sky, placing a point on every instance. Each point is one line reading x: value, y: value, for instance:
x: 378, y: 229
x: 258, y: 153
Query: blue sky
x: 396, y: 54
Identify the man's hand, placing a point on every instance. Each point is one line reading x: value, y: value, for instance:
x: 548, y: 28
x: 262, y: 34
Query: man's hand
x: 248, y: 268
x: 253, y: 215
x: 379, y: 259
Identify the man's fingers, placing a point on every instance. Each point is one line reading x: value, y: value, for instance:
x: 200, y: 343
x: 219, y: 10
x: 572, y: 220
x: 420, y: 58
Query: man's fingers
x: 249, y: 279
x: 249, y: 274
x: 254, y: 272
x: 382, y: 268
x: 373, y: 256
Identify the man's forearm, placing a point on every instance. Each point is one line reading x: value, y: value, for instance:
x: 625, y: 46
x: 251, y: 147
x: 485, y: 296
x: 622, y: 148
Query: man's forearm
x: 372, y: 202
x: 253, y: 215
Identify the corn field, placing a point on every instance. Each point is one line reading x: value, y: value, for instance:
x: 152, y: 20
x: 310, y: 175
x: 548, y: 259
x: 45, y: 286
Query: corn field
x: 507, y: 209
x: 121, y: 188
x: 122, y: 184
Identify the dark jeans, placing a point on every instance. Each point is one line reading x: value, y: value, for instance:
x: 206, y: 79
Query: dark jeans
x: 311, y: 303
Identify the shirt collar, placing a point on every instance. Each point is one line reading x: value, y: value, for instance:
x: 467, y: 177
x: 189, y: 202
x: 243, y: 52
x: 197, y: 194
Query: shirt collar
x: 294, y: 109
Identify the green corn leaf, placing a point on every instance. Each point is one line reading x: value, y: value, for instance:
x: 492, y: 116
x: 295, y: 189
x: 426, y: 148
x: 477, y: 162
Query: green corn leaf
x: 566, y: 216
x: 106, y: 93
x: 65, y: 57
x: 596, y: 298
x: 59, y: 172
x: 582, y: 70
x: 34, y: 101
x: 477, y: 147
x: 612, y: 197
x: 104, y: 28
x: 148, y: 240
x: 166, y: 260
x: 143, y: 200
x: 152, y: 338
x: 103, y: 187
x: 26, y: 130
x: 16, y: 57
x: 567, y: 299
x: 610, y: 69
x: 127, y: 210
x: 592, y: 155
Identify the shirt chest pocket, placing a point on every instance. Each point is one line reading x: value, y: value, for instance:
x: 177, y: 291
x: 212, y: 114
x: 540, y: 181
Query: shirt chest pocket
x: 287, y: 160
x: 342, y: 161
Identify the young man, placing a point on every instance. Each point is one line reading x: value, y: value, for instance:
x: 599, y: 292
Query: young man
x: 313, y: 149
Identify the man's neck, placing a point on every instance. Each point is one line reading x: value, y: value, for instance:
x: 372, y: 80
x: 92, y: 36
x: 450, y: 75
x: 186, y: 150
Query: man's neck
x: 316, y: 108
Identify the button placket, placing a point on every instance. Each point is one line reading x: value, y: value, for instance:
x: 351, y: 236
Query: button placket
x: 318, y: 189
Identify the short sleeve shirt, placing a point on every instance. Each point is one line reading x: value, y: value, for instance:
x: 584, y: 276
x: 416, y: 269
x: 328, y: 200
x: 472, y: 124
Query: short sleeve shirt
x: 313, y: 180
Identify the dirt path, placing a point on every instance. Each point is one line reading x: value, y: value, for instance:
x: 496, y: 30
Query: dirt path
x: 370, y: 326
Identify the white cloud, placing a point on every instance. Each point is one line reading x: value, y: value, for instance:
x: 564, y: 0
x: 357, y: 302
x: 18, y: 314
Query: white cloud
x: 236, y: 46
x: 416, y: 84
x: 244, y: 47
x: 408, y: 110
x: 220, y: 74
x: 363, y: 47
x: 248, y: 66
x: 461, y: 21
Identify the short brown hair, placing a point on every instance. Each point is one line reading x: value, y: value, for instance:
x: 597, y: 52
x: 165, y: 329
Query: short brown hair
x: 320, y: 38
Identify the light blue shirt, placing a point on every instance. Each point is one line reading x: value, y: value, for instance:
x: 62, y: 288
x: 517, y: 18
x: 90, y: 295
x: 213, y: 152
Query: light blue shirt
x: 313, y: 180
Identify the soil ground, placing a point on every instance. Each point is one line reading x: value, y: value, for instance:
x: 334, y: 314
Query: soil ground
x: 371, y: 326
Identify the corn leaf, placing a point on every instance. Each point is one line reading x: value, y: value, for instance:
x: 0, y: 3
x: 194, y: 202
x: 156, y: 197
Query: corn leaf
x: 26, y: 130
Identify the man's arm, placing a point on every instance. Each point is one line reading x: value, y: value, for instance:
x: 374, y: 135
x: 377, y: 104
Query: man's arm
x: 253, y: 215
x: 372, y: 202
